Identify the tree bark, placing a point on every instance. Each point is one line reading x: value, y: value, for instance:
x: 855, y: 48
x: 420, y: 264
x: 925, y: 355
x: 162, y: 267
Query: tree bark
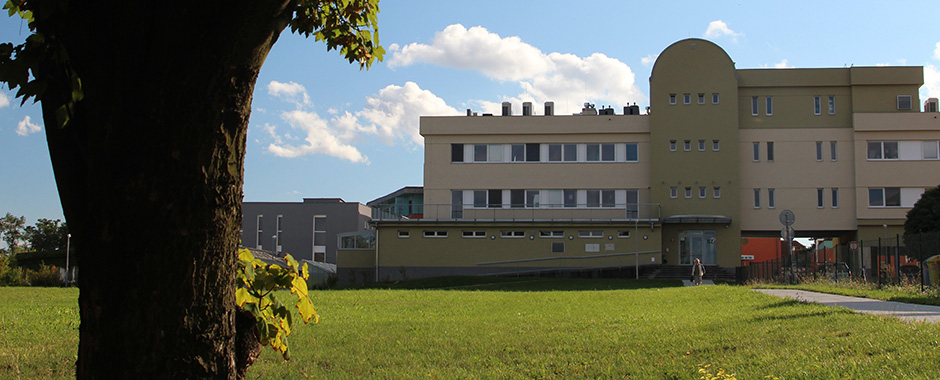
x: 150, y: 173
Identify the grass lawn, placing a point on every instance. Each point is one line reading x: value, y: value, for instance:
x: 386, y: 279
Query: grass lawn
x: 534, y: 328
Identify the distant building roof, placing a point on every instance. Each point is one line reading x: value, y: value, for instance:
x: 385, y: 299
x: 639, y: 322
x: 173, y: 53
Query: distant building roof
x: 397, y: 193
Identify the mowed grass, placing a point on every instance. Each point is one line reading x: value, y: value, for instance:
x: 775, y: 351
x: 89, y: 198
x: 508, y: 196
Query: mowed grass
x: 540, y: 329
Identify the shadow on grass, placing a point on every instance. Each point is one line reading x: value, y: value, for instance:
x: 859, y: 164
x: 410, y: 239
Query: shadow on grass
x: 521, y: 284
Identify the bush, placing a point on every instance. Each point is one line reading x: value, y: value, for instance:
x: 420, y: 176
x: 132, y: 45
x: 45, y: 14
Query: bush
x: 10, y: 275
x: 45, y: 276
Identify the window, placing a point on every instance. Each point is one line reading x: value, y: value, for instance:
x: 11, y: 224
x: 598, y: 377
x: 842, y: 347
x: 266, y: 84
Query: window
x: 633, y: 204
x: 260, y: 235
x: 558, y: 247
x: 435, y: 234
x: 608, y: 198
x: 570, y: 153
x: 756, y: 157
x: 632, y: 154
x: 701, y: 98
x: 593, y: 234
x: 517, y: 153
x: 479, y: 198
x: 554, y: 152
x: 882, y: 150
x: 819, y: 151
x: 511, y: 234
x: 456, y: 152
x: 672, y: 145
x: 532, y: 198
x: 673, y: 192
x: 715, y: 98
x: 686, y: 98
x: 592, y: 248
x: 672, y: 98
x: 319, y: 238
x: 770, y: 105
x: 533, y: 152
x: 770, y: 151
x: 607, y: 152
x: 754, y: 106
x: 701, y: 192
x: 623, y: 234
x: 688, y: 192
x: 930, y: 150
x: 404, y: 233
x: 832, y: 105
x: 716, y: 192
x: 835, y: 198
x: 904, y: 102
x: 771, y: 198
x: 495, y: 199
x: 816, y: 106
x: 593, y: 152
x: 687, y: 145
x: 516, y: 198
x: 593, y: 198
x: 833, y: 152
x: 555, y: 198
x: 756, y: 198
x: 495, y: 153
x: 552, y: 234
x: 884, y: 197
x: 278, y: 228
x: 819, y: 198
x: 474, y: 234
x: 715, y: 146
x: 571, y: 198
x: 479, y: 153
x: 456, y: 204
x: 701, y: 145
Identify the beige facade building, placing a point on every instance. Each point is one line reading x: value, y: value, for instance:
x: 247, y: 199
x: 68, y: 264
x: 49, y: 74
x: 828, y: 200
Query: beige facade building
x: 717, y: 157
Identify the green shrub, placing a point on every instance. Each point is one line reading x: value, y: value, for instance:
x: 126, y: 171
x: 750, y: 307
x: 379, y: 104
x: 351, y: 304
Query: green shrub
x: 10, y: 274
x: 44, y: 276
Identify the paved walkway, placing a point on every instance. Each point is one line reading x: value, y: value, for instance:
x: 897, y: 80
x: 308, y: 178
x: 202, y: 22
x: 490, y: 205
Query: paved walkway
x: 704, y: 282
x: 905, y: 311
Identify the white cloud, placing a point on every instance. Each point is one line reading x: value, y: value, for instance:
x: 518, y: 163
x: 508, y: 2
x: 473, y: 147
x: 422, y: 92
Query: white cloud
x: 542, y: 77
x: 931, y: 82
x: 648, y: 60
x: 26, y: 127
x: 289, y: 91
x: 394, y: 112
x: 783, y: 64
x: 719, y: 28
x: 320, y: 139
x: 936, y: 52
x: 4, y: 100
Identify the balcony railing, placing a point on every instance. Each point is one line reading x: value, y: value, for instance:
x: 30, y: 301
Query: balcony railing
x: 644, y: 212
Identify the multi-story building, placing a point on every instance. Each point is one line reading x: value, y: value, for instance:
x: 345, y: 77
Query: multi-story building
x: 306, y: 230
x: 718, y: 156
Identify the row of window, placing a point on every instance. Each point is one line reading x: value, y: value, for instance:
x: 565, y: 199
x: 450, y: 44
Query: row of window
x: 833, y: 151
x: 702, y: 192
x: 687, y: 98
x: 903, y: 150
x: 769, y: 105
x: 687, y: 145
x: 820, y: 198
x: 894, y: 196
x: 610, y: 152
x: 568, y: 198
x: 518, y: 234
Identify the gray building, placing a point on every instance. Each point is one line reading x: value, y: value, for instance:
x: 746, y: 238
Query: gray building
x: 306, y: 230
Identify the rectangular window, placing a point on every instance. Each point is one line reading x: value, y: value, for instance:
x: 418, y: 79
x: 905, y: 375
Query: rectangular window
x: 756, y: 157
x: 904, y: 102
x: 716, y: 193
x: 511, y: 234
x: 571, y: 198
x: 892, y: 197
x: 608, y: 198
x: 672, y: 98
x: 532, y: 198
x: 930, y: 150
x: 558, y: 247
x: 754, y: 106
x: 260, y: 235
x: 771, y: 198
x: 687, y: 145
x: 715, y: 98
x: 673, y: 192
x: 479, y: 153
x: 686, y: 98
x: 756, y: 198
x: 517, y: 153
x: 495, y: 198
x: 555, y: 198
x: 593, y: 198
x: 592, y: 248
x: 607, y: 152
x: 495, y: 153
x: 770, y: 105
x: 319, y: 237
x: 479, y: 198
x: 551, y: 234
x: 623, y: 234
x: 833, y: 152
x: 435, y: 234
x: 688, y: 192
x: 882, y: 150
x: 517, y: 198
x: 819, y: 154
x: 593, y: 152
x: 816, y: 106
x: 770, y: 151
x: 672, y: 145
x: 701, y: 98
x: 593, y: 234
x: 456, y: 152
x: 474, y: 234
x: 404, y: 233
x: 876, y: 197
x: 832, y: 105
x: 715, y: 146
x: 632, y: 154
x: 701, y: 145
x: 279, y: 229
x: 701, y: 192
x: 835, y: 198
x: 633, y: 204
x: 570, y: 152
x: 554, y: 152
x: 533, y: 152
x: 456, y: 204
x: 819, y: 198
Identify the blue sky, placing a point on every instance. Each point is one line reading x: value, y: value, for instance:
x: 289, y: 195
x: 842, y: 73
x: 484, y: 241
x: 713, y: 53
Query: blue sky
x: 320, y: 127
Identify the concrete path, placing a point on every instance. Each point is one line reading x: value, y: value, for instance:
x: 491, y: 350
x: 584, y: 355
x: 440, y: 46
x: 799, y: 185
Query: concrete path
x: 704, y: 282
x: 905, y: 311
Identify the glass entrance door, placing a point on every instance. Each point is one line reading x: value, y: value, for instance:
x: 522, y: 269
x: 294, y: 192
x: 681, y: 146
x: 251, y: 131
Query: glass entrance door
x: 698, y: 244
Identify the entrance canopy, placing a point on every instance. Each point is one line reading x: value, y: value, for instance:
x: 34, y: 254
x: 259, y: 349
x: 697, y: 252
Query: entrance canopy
x: 697, y: 219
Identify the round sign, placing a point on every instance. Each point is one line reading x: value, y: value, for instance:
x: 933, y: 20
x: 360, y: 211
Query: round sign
x: 787, y: 218
x: 853, y: 245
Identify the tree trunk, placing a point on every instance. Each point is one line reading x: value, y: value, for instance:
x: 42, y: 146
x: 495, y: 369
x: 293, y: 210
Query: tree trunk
x: 150, y: 171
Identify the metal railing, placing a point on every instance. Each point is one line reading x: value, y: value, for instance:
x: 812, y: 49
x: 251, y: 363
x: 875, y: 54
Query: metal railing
x: 643, y: 212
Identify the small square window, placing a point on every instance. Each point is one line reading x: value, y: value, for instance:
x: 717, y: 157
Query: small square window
x: 701, y: 145
x: 623, y: 234
x: 673, y: 192
x: 404, y: 233
x: 701, y: 192
x: 688, y: 192
x: 904, y: 102
x: 687, y: 98
x: 558, y: 247
x: 715, y: 98
x: 672, y: 98
x: 687, y: 145
x: 715, y: 146
x: 672, y: 145
x: 701, y: 98
x: 716, y: 193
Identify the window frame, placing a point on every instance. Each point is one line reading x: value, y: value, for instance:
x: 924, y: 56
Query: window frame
x: 819, y: 154
x: 833, y: 151
x: 688, y: 192
x: 756, y: 198
x: 770, y: 151
x: 716, y: 192
x: 591, y: 234
x: 769, y: 106
x: 435, y: 234
x: 755, y: 106
x: 672, y: 98
x: 771, y: 198
x: 715, y: 98
x: 551, y: 234
x: 701, y: 145
x: 687, y: 145
x: 673, y: 145
x: 473, y: 234
x: 756, y: 149
x: 820, y: 197
x: 817, y: 105
x: 635, y: 151
x: 835, y: 197
x: 701, y: 98
x: 673, y: 192
x: 456, y: 153
x: 511, y: 234
x: 404, y: 234
x: 716, y: 145
x: 832, y: 104
x: 702, y: 192
x: 909, y: 100
x: 687, y: 98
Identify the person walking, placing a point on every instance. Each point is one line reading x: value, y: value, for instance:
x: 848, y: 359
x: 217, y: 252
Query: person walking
x: 698, y: 271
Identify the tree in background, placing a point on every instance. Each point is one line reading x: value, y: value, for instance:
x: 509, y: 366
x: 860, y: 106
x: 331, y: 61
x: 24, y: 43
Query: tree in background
x: 47, y: 235
x: 922, y: 227
x: 146, y: 107
x: 12, y: 230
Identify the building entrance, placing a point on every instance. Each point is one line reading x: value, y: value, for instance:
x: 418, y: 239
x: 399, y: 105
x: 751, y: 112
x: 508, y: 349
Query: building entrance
x: 698, y: 244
